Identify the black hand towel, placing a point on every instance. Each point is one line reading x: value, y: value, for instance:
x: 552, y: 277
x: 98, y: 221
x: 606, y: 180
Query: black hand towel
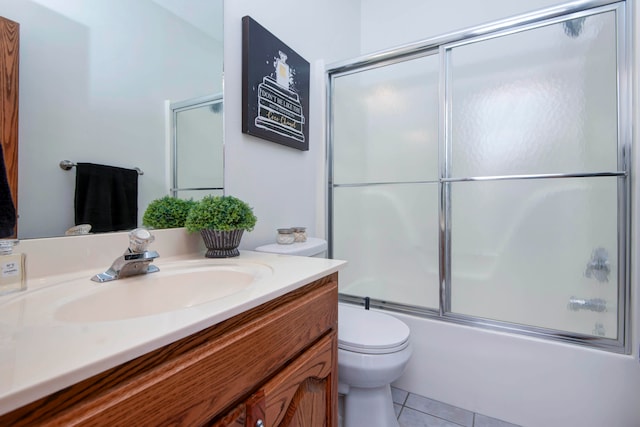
x: 106, y: 197
x: 7, y: 208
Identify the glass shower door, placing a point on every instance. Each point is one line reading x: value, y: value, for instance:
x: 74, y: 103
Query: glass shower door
x: 482, y: 177
x: 385, y: 182
x: 534, y: 126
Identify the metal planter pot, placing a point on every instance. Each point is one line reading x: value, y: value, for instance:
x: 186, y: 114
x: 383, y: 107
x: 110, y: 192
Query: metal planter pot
x: 221, y: 244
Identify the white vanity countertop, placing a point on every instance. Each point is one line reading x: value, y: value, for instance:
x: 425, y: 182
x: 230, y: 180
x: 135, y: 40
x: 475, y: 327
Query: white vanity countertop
x: 41, y: 353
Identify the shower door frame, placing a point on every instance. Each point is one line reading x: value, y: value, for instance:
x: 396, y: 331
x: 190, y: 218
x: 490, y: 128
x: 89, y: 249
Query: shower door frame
x: 441, y: 46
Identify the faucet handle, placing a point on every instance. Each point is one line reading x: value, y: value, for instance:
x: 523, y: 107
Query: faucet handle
x: 140, y: 256
x: 139, y: 239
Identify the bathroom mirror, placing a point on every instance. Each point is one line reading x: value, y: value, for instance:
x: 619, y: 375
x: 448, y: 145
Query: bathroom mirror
x: 96, y: 81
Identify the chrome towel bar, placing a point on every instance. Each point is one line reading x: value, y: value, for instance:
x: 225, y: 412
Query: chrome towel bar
x: 68, y: 164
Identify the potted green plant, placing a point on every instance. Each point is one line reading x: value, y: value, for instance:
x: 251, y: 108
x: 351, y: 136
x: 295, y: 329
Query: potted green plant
x: 221, y: 220
x: 167, y: 212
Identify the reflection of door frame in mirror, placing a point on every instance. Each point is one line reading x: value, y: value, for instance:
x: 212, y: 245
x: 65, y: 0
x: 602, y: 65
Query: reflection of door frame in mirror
x: 215, y: 100
x: 9, y: 63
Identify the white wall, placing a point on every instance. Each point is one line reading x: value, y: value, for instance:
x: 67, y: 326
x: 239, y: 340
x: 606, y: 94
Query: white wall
x: 284, y: 186
x: 526, y: 381
x: 386, y: 24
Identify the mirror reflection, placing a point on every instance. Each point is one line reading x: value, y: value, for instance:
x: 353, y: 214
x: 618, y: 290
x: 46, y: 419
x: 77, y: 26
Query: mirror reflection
x: 197, y: 145
x: 96, y: 81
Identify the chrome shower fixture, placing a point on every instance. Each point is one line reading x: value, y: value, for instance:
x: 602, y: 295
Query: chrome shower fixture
x: 599, y: 329
x: 594, y: 304
x: 598, y: 267
x: 573, y: 28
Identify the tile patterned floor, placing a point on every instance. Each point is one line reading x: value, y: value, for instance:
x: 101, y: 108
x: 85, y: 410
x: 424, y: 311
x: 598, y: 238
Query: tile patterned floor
x: 418, y: 411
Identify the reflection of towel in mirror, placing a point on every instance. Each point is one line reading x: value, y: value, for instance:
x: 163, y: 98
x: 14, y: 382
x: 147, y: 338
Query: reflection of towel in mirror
x: 7, y: 208
x: 106, y: 197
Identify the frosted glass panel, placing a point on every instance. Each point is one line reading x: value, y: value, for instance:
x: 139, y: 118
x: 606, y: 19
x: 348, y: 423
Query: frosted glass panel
x: 389, y: 236
x: 386, y: 123
x: 198, y: 194
x: 539, y: 101
x: 199, y: 143
x: 521, y: 250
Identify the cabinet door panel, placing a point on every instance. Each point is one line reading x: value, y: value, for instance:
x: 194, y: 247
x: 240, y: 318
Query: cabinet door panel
x: 235, y: 418
x: 256, y: 408
x: 245, y: 414
x: 304, y: 393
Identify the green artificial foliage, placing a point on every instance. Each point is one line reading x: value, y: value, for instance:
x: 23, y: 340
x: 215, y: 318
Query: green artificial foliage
x: 167, y: 212
x: 221, y: 213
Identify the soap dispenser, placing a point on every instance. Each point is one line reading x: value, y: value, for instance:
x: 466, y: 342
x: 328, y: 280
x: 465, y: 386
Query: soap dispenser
x: 12, y: 268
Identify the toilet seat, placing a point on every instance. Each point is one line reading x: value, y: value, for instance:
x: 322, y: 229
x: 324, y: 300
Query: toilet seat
x: 368, y: 332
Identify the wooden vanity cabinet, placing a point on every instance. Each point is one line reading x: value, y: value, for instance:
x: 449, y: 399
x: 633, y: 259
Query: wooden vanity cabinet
x: 300, y: 395
x: 276, y: 363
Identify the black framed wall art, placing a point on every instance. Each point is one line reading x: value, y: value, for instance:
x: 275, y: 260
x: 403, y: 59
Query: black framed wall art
x: 275, y: 88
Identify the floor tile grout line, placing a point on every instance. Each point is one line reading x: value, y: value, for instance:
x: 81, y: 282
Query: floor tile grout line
x: 473, y: 415
x: 435, y: 416
x: 405, y: 399
x: 403, y: 405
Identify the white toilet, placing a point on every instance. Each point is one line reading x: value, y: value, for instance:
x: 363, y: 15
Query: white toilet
x: 373, y: 351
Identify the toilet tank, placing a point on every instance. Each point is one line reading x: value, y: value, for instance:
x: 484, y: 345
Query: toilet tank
x: 313, y: 247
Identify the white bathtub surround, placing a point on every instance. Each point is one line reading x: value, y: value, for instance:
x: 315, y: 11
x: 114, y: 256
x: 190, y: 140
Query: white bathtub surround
x: 526, y: 381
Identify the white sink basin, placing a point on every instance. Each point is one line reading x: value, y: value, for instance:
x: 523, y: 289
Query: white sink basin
x: 174, y: 287
x: 161, y: 292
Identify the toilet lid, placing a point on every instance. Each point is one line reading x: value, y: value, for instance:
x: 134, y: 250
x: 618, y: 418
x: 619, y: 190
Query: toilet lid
x: 366, y: 331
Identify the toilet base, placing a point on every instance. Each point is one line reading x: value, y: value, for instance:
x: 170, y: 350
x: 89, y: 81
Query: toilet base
x: 371, y: 407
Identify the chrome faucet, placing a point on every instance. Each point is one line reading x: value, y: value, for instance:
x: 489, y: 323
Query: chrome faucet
x: 135, y: 260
